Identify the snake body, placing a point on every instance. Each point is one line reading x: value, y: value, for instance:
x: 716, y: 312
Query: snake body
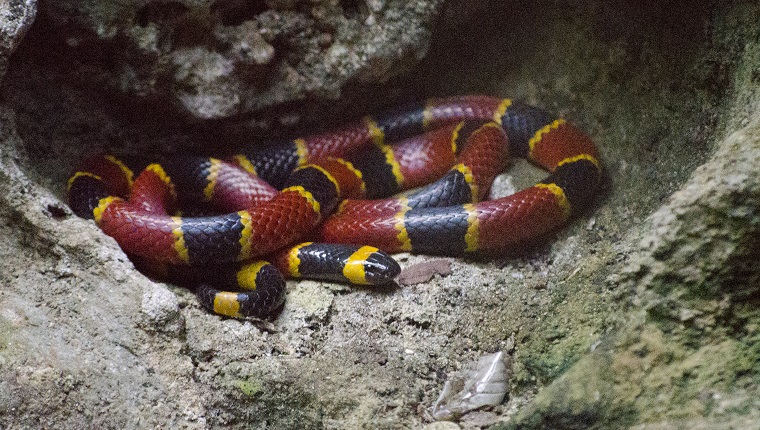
x: 322, y: 181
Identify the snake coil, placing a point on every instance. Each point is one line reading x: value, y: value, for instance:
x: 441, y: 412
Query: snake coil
x: 323, y: 181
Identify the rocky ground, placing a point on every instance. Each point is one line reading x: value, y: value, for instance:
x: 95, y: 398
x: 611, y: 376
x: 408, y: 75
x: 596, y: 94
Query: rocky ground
x: 642, y: 313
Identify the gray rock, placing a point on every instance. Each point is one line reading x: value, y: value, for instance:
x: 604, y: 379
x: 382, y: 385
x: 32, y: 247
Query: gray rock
x: 15, y: 19
x: 216, y: 60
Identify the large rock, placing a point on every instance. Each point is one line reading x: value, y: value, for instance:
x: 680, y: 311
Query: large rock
x: 687, y: 356
x: 15, y: 19
x: 218, y: 59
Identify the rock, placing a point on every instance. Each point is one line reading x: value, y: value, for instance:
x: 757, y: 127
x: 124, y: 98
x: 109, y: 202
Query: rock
x: 161, y: 308
x: 703, y: 243
x: 70, y: 309
x: 15, y: 19
x: 214, y: 60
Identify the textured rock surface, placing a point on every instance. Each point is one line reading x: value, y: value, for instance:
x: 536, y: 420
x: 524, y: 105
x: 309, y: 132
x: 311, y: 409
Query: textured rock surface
x: 688, y: 357
x: 642, y: 313
x: 15, y: 18
x: 217, y: 59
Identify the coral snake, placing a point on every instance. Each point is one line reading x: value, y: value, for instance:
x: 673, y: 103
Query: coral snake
x: 329, y: 185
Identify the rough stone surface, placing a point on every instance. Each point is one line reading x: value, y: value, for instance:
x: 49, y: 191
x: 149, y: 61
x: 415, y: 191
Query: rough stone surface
x: 218, y: 59
x: 15, y: 19
x: 695, y: 277
x: 642, y: 313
